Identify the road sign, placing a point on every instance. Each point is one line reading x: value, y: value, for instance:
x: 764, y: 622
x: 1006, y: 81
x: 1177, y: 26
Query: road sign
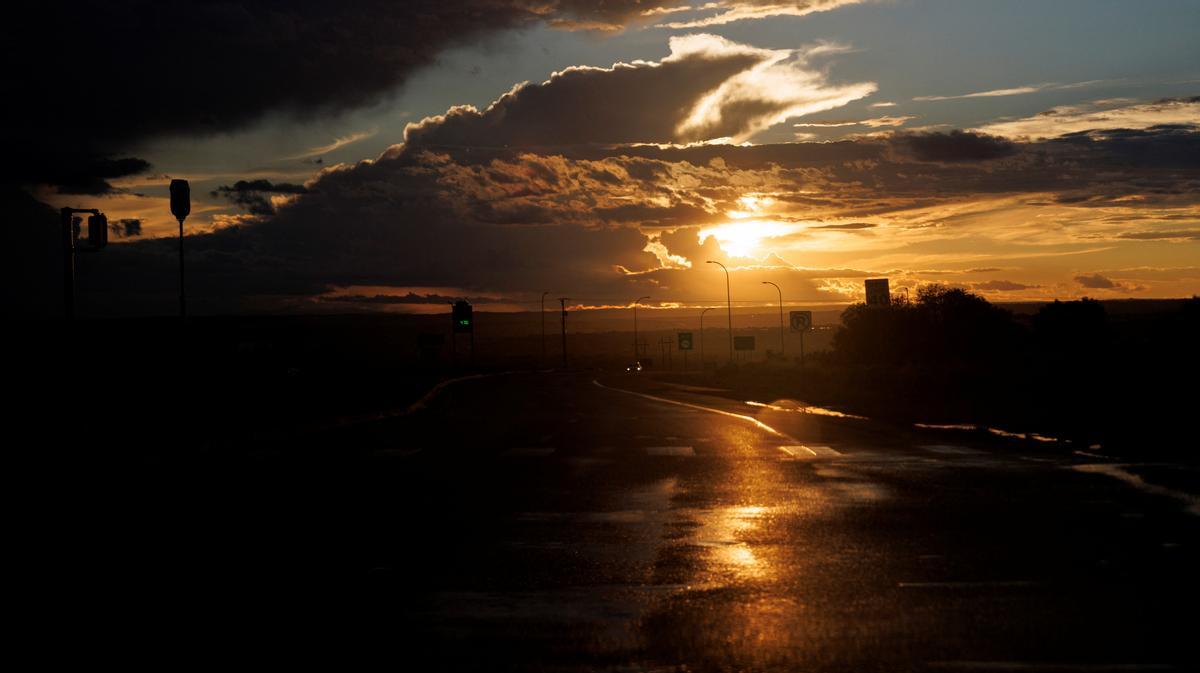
x: 743, y: 343
x: 463, y: 316
x: 181, y: 199
x: 685, y: 341
x: 877, y: 292
x: 801, y: 321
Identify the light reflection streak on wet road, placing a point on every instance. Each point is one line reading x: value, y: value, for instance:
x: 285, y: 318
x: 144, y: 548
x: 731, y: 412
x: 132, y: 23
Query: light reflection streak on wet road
x: 880, y: 554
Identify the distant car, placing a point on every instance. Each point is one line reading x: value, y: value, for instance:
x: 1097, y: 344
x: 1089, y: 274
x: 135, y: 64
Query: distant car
x: 635, y: 367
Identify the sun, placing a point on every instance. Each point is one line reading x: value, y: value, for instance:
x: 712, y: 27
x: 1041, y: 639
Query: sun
x: 744, y: 238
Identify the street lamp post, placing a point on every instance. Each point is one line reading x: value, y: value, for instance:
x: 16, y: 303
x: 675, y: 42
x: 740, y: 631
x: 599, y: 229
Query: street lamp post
x: 782, y: 347
x: 636, y: 353
x: 729, y: 304
x: 563, y: 302
x: 702, y: 336
x: 544, y: 328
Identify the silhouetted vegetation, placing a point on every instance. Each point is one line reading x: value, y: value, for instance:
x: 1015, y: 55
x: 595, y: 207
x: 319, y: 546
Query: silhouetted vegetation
x: 1069, y: 370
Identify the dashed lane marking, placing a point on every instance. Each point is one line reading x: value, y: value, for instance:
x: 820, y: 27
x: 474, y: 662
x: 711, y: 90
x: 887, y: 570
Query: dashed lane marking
x: 670, y: 451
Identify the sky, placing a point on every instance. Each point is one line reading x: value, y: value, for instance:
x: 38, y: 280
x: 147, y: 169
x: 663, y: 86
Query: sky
x: 392, y: 156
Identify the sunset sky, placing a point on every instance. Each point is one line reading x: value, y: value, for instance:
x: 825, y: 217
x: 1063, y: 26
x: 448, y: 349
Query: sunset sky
x: 391, y: 155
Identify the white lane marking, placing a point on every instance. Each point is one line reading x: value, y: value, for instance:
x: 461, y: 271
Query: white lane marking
x: 951, y: 450
x: 670, y: 451
x: 1016, y: 666
x: 1192, y: 502
x: 527, y: 451
x: 689, y: 405
x: 802, y: 451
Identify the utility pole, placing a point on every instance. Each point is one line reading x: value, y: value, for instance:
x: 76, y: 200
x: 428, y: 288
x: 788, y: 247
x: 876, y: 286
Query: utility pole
x: 782, y: 346
x: 729, y: 304
x: 544, y: 328
x: 636, y: 352
x: 563, y: 302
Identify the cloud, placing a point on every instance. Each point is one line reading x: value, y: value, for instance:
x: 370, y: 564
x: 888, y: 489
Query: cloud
x: 219, y: 66
x: 407, y: 298
x: 957, y: 146
x: 1095, y: 282
x: 1164, y: 235
x: 607, y: 222
x: 125, y: 228
x: 259, y: 197
x: 1100, y: 115
x: 994, y: 93
x: 877, y: 122
x: 848, y: 226
x: 742, y: 10
x: 708, y: 88
x: 337, y: 144
x: 1002, y: 286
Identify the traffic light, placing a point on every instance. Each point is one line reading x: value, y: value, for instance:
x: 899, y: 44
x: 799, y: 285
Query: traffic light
x: 463, y: 317
x: 97, y: 231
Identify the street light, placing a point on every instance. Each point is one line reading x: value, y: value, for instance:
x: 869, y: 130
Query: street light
x: 782, y: 347
x: 702, y: 336
x: 729, y: 303
x: 563, y: 302
x: 544, y: 328
x: 636, y: 353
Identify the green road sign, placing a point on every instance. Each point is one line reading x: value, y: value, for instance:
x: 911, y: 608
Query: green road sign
x: 743, y: 343
x: 685, y: 341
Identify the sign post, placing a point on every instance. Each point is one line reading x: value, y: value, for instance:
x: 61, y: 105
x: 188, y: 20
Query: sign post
x: 462, y: 317
x: 743, y: 343
x: 181, y: 207
x: 685, y: 345
x: 801, y: 322
x: 877, y: 292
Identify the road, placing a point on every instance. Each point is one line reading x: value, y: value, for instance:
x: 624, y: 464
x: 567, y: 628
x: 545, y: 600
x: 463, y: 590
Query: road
x: 561, y: 522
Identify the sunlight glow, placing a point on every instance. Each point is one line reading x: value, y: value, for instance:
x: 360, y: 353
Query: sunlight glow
x: 744, y: 238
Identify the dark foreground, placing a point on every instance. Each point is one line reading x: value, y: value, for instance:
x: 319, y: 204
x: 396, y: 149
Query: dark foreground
x: 545, y: 522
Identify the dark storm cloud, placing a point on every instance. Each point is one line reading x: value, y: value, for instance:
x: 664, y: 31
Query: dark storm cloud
x: 91, y: 78
x: 254, y: 196
x: 1162, y: 146
x: 956, y: 146
x: 72, y: 173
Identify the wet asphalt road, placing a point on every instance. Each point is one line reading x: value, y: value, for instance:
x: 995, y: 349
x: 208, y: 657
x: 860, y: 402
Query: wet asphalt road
x: 554, y: 522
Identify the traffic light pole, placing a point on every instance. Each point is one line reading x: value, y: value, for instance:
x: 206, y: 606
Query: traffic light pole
x: 68, y: 239
x: 97, y: 219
